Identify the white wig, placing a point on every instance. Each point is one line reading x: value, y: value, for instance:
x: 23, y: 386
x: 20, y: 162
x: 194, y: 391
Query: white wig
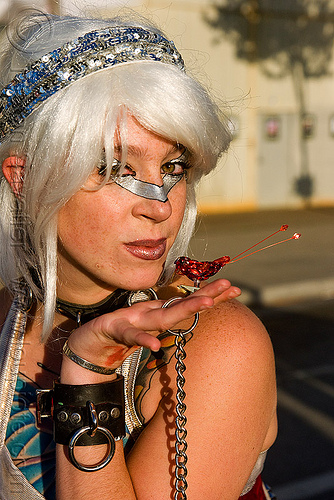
x: 62, y: 142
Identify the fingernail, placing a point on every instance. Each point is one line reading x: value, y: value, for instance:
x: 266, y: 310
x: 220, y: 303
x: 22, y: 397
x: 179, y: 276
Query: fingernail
x: 202, y: 308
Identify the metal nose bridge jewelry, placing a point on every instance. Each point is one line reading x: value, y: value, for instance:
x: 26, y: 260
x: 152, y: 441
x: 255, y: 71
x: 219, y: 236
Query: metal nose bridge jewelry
x: 149, y: 190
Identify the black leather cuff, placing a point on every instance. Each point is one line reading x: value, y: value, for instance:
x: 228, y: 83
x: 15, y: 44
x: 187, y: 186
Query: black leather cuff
x: 70, y: 410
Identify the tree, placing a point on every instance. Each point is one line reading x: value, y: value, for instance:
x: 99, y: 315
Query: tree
x: 285, y: 37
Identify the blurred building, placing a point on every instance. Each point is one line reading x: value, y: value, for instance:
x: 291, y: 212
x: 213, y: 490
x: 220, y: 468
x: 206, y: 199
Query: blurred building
x: 269, y: 65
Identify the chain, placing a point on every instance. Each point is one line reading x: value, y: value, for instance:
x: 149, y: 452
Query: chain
x: 180, y: 421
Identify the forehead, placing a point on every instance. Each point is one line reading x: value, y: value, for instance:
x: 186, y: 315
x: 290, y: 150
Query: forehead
x: 133, y: 139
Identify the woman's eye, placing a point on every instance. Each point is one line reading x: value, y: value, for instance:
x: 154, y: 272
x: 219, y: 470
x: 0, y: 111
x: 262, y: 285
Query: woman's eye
x: 116, y: 169
x: 174, y: 168
x: 127, y: 170
x: 102, y: 168
x: 115, y: 166
x: 123, y: 171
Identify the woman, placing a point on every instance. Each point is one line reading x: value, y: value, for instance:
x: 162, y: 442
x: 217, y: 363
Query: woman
x: 104, y: 137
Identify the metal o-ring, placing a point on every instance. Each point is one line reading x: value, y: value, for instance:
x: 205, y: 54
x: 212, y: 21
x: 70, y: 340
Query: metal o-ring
x: 100, y: 465
x: 176, y: 332
x: 94, y: 418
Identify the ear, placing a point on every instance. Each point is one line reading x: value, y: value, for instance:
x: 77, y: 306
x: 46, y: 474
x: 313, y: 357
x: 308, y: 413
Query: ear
x: 13, y: 170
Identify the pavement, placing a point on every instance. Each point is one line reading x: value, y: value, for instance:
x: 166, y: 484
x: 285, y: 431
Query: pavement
x: 297, y: 270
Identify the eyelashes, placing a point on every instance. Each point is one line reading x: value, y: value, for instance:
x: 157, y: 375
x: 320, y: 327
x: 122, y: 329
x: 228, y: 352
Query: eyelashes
x: 102, y: 166
x: 175, y: 167
x: 182, y: 162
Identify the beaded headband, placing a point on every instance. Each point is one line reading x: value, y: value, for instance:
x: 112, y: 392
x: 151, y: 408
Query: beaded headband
x: 87, y: 54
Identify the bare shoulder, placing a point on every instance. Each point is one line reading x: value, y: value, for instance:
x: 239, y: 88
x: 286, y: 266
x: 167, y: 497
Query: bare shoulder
x: 230, y: 365
x: 231, y: 331
x: 232, y: 324
x: 232, y: 340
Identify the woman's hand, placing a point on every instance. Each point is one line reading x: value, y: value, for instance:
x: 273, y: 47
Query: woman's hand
x: 109, y: 339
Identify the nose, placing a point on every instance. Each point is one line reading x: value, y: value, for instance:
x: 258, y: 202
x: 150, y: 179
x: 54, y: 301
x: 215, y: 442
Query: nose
x: 154, y: 210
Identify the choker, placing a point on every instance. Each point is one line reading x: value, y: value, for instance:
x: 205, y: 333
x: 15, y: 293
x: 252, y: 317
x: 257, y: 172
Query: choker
x: 82, y: 313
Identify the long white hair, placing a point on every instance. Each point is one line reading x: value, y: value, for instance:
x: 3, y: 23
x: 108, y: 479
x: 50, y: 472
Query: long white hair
x: 63, y: 139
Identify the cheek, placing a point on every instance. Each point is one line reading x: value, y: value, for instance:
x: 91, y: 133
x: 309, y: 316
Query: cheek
x: 178, y: 201
x: 74, y: 223
x: 85, y: 220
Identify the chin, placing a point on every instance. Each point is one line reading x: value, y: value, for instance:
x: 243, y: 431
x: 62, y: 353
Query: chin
x: 133, y: 286
x: 141, y: 282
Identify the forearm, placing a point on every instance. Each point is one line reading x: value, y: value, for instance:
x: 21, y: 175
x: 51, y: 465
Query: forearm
x: 111, y: 482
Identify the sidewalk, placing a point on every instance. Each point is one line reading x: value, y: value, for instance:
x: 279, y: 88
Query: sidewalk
x: 297, y: 270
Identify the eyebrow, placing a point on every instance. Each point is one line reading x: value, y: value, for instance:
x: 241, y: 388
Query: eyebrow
x: 141, y: 151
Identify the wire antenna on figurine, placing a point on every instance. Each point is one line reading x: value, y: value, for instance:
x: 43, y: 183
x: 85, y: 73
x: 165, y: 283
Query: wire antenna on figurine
x: 199, y: 271
x: 295, y: 236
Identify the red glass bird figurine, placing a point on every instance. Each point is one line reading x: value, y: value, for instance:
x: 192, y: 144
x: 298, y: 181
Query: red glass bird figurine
x: 197, y: 270
x: 202, y: 270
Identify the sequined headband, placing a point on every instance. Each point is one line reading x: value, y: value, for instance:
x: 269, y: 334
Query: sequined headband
x: 91, y: 52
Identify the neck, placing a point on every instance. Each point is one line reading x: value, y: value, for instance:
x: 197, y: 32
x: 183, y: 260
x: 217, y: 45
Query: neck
x: 82, y: 313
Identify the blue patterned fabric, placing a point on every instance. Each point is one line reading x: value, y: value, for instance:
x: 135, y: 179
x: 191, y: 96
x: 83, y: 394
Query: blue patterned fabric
x: 32, y: 450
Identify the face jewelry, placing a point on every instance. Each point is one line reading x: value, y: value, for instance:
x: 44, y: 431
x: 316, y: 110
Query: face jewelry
x: 147, y: 189
x: 94, y: 51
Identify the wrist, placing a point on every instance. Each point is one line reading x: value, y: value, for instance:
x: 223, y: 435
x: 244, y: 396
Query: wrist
x: 96, y: 348
x: 80, y: 365
x: 71, y: 373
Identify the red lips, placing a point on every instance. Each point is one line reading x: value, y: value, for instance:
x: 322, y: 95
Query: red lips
x: 147, y: 249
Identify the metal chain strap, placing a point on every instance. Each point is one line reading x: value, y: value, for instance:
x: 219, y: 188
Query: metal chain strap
x: 180, y: 421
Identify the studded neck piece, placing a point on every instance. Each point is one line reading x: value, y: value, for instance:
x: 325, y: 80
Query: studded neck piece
x: 87, y: 54
x: 81, y: 313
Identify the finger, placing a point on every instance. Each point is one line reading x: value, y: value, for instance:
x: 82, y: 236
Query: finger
x: 219, y: 290
x: 150, y: 316
x: 214, y: 288
x: 125, y: 333
x: 177, y: 311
